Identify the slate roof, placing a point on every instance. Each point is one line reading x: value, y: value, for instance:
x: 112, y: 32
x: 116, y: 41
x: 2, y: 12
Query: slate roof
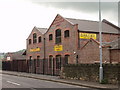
x: 19, y: 55
x: 16, y: 55
x: 42, y: 30
x: 114, y: 44
x: 93, y: 26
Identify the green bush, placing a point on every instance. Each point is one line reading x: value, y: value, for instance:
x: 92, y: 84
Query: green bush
x: 104, y: 81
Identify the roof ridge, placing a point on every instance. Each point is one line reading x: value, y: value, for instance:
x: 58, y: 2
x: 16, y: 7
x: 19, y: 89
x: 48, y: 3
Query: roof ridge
x: 40, y: 28
x: 82, y: 19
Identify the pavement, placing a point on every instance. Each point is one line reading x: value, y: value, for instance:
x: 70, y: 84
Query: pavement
x: 95, y: 85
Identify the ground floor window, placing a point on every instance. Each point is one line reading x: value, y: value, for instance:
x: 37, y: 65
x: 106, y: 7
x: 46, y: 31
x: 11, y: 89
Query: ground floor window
x: 67, y: 59
x: 50, y: 61
x: 58, y: 62
x: 30, y: 61
x: 38, y: 61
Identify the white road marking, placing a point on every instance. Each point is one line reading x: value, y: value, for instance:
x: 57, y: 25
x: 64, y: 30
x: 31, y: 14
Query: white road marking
x: 14, y: 83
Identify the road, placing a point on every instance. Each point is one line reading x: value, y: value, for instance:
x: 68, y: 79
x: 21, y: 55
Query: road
x: 9, y: 81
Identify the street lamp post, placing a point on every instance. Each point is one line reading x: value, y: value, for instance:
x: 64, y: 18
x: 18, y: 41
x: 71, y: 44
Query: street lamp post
x: 100, y: 47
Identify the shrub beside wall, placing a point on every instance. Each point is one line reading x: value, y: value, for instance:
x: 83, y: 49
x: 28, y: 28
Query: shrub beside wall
x: 90, y: 72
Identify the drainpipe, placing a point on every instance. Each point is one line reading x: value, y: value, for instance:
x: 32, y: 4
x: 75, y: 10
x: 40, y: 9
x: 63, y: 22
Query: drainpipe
x: 44, y: 56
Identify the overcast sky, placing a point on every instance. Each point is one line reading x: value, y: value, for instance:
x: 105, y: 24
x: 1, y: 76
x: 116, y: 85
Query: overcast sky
x: 18, y: 17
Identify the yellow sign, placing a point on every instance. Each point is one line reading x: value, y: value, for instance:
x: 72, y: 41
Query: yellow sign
x: 35, y: 50
x: 58, y: 48
x: 87, y: 35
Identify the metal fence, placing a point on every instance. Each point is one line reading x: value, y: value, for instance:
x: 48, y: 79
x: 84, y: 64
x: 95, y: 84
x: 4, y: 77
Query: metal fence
x: 38, y: 66
x: 45, y: 66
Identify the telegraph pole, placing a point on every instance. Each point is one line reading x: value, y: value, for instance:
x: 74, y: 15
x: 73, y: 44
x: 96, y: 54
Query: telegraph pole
x: 100, y: 47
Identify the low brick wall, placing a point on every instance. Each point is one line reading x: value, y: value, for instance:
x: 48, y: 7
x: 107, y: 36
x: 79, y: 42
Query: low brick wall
x: 90, y: 72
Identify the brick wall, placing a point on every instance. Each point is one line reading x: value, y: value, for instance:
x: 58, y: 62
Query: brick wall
x: 89, y: 53
x: 90, y: 72
x: 35, y: 45
x: 115, y: 56
x: 69, y: 44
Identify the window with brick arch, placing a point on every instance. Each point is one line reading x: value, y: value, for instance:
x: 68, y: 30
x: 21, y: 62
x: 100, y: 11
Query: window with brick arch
x: 30, y: 61
x: 38, y: 61
x: 30, y: 41
x: 39, y: 39
x: 66, y: 59
x: 34, y: 38
x: 66, y: 33
x: 50, y: 37
x: 58, y: 62
x: 58, y: 36
x: 50, y: 61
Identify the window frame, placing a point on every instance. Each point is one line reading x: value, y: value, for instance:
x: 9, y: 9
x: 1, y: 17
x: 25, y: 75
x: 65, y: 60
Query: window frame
x: 66, y: 59
x: 67, y: 33
x: 38, y: 61
x: 58, y: 61
x: 58, y: 36
x: 30, y: 41
x: 39, y: 39
x: 50, y: 37
x: 50, y: 61
x: 34, y: 38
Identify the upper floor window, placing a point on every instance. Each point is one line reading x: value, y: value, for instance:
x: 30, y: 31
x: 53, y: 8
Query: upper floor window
x: 39, y: 39
x: 66, y: 33
x: 34, y: 38
x: 50, y: 37
x: 30, y: 41
x: 58, y: 36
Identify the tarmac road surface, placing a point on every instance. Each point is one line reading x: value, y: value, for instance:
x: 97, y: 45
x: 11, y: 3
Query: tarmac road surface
x: 9, y: 81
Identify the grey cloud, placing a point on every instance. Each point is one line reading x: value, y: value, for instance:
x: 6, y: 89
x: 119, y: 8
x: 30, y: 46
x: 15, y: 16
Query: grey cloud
x: 83, y: 6
x: 86, y: 7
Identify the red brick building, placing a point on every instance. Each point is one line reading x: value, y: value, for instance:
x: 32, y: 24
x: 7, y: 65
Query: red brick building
x: 35, y: 49
x: 68, y: 41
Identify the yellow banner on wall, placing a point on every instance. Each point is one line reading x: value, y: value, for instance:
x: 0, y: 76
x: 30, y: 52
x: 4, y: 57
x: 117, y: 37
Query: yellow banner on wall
x: 58, y: 48
x: 87, y: 35
x: 35, y: 50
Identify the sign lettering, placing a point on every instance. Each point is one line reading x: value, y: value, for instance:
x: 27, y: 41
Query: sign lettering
x: 35, y: 50
x: 58, y: 48
x: 87, y: 35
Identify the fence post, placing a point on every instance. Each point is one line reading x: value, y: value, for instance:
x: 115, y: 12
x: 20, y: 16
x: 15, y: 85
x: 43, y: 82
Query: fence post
x: 119, y: 77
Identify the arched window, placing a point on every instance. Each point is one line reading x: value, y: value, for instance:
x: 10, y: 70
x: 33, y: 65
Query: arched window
x: 34, y: 38
x: 58, y: 36
x: 30, y: 61
x: 58, y: 62
x: 39, y: 39
x: 30, y: 41
x: 50, y: 61
x: 67, y: 59
x: 38, y: 61
x: 66, y: 33
x: 50, y: 37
